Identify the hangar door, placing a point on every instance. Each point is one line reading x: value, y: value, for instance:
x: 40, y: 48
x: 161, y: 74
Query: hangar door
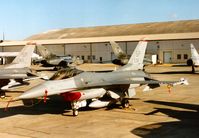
x: 167, y: 56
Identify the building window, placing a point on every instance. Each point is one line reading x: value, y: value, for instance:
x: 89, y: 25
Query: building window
x: 185, y: 56
x: 82, y: 57
x: 178, y: 56
x: 89, y: 57
x: 93, y: 57
x: 100, y: 59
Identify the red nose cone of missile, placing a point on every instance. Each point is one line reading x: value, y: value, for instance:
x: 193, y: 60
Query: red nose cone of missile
x: 71, y: 96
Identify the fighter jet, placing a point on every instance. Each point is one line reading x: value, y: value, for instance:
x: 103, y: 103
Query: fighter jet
x: 15, y: 72
x: 50, y: 59
x: 121, y: 56
x: 119, y: 85
x: 194, y: 61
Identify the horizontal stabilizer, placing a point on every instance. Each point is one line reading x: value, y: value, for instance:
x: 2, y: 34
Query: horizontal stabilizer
x: 152, y: 84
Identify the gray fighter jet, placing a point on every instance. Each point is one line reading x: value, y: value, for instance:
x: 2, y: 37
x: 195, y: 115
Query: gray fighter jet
x: 119, y: 85
x: 121, y: 57
x: 50, y: 59
x: 15, y: 72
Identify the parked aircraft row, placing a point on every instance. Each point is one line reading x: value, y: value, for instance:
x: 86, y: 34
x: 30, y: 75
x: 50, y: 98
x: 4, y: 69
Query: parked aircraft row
x: 118, y: 85
x: 88, y: 88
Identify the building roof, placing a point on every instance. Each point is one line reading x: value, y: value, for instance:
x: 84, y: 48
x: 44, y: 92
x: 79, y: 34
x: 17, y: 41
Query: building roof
x: 151, y: 37
x: 171, y: 27
x: 149, y: 31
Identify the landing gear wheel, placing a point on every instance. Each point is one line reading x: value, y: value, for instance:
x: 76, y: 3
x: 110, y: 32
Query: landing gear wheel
x: 189, y: 62
x: 63, y: 64
x: 75, y: 112
x: 2, y: 95
x: 125, y: 103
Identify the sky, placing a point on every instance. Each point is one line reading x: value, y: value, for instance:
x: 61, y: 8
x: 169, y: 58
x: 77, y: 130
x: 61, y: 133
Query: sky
x: 23, y: 18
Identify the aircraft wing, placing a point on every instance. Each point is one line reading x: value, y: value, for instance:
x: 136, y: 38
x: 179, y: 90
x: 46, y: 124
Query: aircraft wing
x: 151, y: 84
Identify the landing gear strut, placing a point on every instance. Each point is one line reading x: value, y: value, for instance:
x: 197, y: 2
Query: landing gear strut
x: 193, y: 69
x: 75, y: 112
x: 191, y: 63
x: 75, y: 108
x: 2, y: 94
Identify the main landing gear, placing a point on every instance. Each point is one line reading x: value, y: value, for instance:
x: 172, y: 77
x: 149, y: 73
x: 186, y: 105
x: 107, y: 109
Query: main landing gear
x: 75, y: 112
x: 125, y: 103
x: 75, y: 108
x: 76, y: 105
x: 2, y: 94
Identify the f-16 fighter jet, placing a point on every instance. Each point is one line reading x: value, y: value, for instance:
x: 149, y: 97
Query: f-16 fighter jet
x: 121, y: 56
x: 51, y: 59
x: 15, y: 72
x: 117, y: 85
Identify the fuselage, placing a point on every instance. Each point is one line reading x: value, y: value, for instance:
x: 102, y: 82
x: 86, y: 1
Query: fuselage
x: 86, y: 80
x: 55, y: 61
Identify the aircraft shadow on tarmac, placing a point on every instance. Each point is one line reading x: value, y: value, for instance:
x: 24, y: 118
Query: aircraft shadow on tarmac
x: 50, y: 107
x: 54, y: 105
x: 187, y: 126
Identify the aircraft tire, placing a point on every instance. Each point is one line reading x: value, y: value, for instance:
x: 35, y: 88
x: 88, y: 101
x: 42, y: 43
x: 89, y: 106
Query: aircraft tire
x: 125, y: 103
x: 63, y: 64
x: 117, y: 62
x: 75, y: 112
x: 189, y: 62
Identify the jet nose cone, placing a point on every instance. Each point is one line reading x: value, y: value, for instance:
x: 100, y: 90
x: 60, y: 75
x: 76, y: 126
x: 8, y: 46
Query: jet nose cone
x: 35, y: 92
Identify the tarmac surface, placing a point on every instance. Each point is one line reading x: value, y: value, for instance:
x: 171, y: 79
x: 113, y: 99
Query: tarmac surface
x: 157, y: 113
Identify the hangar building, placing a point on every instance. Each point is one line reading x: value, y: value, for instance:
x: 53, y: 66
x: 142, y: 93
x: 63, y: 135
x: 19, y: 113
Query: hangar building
x: 170, y: 41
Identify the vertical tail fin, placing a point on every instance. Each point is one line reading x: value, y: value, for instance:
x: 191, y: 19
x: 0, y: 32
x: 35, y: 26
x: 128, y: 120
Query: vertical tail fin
x: 45, y: 53
x: 24, y: 58
x: 136, y: 60
x: 119, y: 53
x: 194, y: 55
x: 194, y: 52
